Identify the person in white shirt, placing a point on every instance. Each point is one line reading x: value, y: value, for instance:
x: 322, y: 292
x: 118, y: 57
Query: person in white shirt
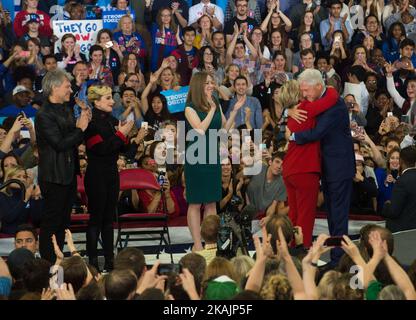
x: 206, y: 7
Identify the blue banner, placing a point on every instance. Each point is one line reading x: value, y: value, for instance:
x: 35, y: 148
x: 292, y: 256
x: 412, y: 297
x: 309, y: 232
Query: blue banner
x: 11, y: 6
x: 176, y: 99
x: 111, y: 18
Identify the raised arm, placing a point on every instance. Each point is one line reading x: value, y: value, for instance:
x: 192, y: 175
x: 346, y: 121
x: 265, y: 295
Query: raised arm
x: 146, y: 91
x: 266, y: 20
x: 400, y: 277
x: 309, y: 266
x: 6, y: 146
x: 231, y: 46
x: 253, y: 51
x: 286, y: 20
x: 377, y: 156
x: 391, y: 88
x: 255, y: 278
x: 293, y: 275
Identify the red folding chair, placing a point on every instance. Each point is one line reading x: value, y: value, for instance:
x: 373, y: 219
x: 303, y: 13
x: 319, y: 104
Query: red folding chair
x: 141, y: 179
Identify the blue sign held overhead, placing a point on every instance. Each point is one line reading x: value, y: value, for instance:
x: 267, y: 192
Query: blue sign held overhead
x: 112, y: 17
x: 176, y: 99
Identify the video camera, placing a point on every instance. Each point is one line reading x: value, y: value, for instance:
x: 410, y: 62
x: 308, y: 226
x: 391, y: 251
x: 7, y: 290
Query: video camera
x: 235, y: 229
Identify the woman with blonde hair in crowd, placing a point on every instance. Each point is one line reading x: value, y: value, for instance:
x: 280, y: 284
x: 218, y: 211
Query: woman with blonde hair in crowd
x: 242, y: 265
x: 105, y: 138
x: 129, y: 40
x: 17, y: 208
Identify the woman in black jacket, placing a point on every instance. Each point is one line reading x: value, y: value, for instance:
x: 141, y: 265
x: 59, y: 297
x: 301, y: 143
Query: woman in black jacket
x: 104, y: 141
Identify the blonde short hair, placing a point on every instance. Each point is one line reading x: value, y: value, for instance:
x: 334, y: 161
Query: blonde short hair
x: 95, y: 92
x: 126, y: 17
x: 327, y: 284
x: 9, y: 174
x: 289, y: 94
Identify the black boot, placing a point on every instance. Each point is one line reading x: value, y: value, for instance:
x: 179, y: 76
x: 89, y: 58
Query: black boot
x: 107, y: 237
x: 92, y: 242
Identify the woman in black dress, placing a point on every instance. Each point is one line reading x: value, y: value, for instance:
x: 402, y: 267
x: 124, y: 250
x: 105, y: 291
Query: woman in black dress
x: 104, y: 143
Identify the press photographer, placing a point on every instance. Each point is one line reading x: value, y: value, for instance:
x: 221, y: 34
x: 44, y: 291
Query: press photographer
x: 235, y: 222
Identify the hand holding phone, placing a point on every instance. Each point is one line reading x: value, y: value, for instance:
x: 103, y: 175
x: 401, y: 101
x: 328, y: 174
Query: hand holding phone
x: 24, y: 54
x: 167, y: 269
x: 333, y: 242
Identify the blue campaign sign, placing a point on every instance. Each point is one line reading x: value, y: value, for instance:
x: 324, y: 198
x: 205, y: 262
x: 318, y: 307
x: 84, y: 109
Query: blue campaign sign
x: 176, y: 99
x: 111, y: 18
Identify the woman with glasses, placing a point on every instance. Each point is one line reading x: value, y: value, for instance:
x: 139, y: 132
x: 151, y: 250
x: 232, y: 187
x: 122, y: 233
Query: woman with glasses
x: 129, y: 40
x: 133, y: 81
x: 17, y: 208
x: 276, y: 19
x: 164, y: 37
x: 208, y: 61
x: 258, y: 41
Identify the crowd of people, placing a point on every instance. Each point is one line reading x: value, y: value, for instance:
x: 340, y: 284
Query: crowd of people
x: 329, y: 87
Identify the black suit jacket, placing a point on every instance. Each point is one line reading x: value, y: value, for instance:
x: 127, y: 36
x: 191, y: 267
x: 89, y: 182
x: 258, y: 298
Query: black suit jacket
x: 400, y: 214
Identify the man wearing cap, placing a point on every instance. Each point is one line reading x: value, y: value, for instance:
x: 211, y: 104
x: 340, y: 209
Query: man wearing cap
x: 334, y: 23
x: 22, y: 97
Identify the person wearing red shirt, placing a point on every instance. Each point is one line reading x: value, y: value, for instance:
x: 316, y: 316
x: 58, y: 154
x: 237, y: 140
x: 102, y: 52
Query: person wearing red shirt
x: 302, y: 163
x: 21, y: 20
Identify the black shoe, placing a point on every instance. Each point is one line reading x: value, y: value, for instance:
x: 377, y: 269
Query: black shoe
x: 93, y: 261
x: 108, y: 264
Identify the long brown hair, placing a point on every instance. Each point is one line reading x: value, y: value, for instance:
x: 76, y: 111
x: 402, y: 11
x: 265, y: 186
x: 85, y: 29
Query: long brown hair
x: 172, y: 25
x: 302, y: 27
x: 196, y: 94
x: 124, y: 62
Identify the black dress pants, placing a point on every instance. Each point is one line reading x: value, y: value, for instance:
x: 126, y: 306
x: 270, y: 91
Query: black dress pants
x: 56, y: 216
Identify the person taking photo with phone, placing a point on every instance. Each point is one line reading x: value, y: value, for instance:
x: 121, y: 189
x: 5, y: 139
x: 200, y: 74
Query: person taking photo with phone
x: 387, y: 177
x: 354, y: 111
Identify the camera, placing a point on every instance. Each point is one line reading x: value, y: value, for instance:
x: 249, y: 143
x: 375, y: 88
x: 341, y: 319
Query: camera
x: 235, y: 229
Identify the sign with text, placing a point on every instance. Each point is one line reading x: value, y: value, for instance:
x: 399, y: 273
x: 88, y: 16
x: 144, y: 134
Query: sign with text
x: 176, y: 99
x: 85, y: 31
x: 112, y: 17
